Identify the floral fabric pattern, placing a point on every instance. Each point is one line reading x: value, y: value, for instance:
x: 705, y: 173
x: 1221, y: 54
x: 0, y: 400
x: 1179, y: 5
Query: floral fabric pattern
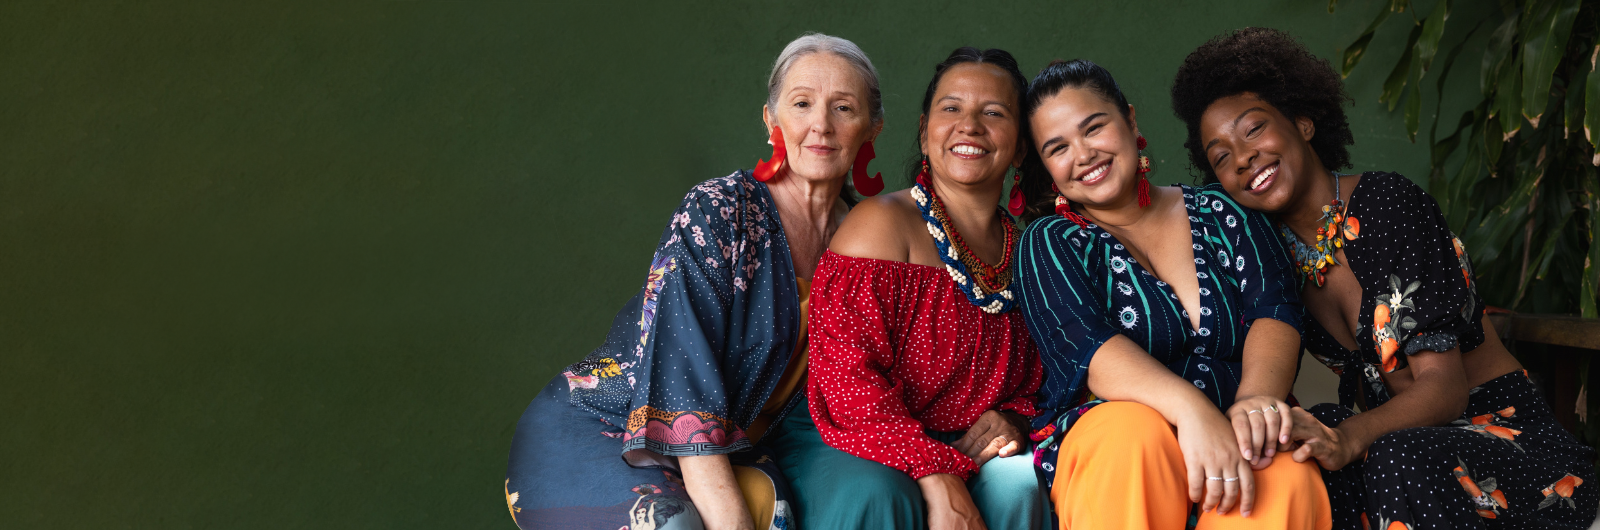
x: 687, y: 366
x: 1505, y: 456
x: 1505, y: 463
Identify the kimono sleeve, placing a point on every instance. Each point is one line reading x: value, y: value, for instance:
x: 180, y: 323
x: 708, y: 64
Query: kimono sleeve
x: 676, y: 400
x: 1065, y: 309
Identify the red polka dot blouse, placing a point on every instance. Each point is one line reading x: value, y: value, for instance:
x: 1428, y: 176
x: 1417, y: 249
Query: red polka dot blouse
x: 897, y: 351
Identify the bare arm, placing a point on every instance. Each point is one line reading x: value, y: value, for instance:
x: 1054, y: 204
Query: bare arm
x: 1438, y: 396
x: 715, y: 492
x: 1271, y: 353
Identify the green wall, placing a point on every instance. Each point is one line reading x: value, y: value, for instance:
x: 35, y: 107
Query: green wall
x: 267, y: 267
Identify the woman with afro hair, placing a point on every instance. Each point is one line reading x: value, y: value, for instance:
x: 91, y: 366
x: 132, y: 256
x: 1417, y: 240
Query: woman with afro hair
x: 1451, y: 432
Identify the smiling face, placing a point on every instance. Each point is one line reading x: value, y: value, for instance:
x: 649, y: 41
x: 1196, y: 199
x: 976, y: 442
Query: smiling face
x: 822, y: 109
x: 1091, y: 151
x: 971, y: 129
x: 1262, y: 158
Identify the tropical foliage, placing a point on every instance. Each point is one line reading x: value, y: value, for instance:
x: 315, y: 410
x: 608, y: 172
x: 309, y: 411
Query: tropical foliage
x: 1516, y: 174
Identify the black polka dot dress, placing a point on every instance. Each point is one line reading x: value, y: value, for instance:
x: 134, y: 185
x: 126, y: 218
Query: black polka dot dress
x: 1506, y: 463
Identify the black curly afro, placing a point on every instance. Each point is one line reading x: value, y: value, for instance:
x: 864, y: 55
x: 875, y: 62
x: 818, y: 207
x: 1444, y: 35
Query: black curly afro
x: 1279, y: 70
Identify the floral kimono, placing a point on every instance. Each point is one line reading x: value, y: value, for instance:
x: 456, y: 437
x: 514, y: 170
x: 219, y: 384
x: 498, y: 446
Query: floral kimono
x: 690, y: 364
x: 1505, y: 463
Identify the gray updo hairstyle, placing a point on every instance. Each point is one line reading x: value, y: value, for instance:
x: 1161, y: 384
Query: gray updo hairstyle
x: 816, y: 42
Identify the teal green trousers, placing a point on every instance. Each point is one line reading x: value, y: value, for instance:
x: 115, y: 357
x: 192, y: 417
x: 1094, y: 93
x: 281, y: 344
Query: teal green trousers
x: 835, y: 490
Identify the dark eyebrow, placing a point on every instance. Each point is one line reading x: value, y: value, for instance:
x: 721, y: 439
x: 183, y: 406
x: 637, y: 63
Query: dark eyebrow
x: 1085, y: 122
x: 1235, y: 124
x: 1047, y: 143
x: 949, y: 96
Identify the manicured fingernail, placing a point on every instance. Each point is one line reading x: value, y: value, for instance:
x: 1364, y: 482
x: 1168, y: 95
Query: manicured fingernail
x: 1247, y: 455
x: 1283, y: 439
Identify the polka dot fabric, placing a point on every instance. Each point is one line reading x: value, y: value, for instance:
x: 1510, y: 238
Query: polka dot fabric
x: 1408, y: 262
x: 1080, y: 286
x: 1506, y: 463
x: 897, y: 351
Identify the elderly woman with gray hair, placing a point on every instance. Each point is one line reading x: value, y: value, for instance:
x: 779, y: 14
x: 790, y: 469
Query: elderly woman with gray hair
x: 662, y: 425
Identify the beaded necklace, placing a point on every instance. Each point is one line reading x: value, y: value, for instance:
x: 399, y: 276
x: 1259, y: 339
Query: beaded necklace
x: 989, y: 288
x: 1311, y: 260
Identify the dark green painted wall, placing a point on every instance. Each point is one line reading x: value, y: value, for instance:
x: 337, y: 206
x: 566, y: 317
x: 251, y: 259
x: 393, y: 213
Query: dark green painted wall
x: 266, y: 267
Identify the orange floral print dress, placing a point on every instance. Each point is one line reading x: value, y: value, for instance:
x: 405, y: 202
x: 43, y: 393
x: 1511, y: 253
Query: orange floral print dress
x: 1505, y: 463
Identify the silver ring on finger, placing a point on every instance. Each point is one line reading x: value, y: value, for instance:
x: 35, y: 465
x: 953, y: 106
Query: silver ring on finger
x: 1252, y: 412
x: 1231, y: 479
x: 1217, y: 478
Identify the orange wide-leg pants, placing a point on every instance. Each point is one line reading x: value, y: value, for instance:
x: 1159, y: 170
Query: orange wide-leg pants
x: 1120, y: 467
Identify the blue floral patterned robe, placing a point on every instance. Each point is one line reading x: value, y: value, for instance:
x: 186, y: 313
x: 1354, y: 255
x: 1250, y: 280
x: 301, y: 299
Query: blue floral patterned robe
x: 687, y: 366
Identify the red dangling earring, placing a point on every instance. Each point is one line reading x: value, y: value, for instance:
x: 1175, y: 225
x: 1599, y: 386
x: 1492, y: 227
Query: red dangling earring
x: 1144, y: 182
x: 766, y: 169
x: 1017, y: 199
x: 922, y: 176
x: 858, y: 172
x: 1064, y: 209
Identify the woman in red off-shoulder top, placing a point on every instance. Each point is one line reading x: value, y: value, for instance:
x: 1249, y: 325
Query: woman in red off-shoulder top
x: 921, y: 378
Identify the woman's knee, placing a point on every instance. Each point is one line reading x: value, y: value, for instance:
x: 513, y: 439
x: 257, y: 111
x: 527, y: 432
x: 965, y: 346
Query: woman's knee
x: 1122, y: 427
x: 1008, y: 478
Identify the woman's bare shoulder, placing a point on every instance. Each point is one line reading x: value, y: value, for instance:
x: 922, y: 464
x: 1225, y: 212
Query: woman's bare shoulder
x: 878, y: 228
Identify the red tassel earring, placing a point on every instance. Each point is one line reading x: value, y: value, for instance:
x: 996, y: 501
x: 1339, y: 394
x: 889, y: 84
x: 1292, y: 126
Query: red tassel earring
x: 858, y: 173
x: 1064, y: 209
x: 1017, y: 199
x: 766, y: 169
x: 1144, y: 182
x: 922, y: 176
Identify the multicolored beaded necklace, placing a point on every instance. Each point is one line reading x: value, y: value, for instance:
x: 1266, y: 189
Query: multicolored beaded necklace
x: 989, y: 288
x: 1311, y: 260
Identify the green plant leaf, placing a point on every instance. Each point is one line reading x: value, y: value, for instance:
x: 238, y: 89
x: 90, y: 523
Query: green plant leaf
x: 1358, y: 49
x: 1332, y: 4
x: 1553, y: 233
x: 1402, y: 70
x: 1432, y: 30
x: 1543, y: 45
x: 1414, y: 105
x: 1495, y: 54
x: 1493, y: 142
x: 1439, y: 152
x: 1444, y: 73
x: 1573, y: 111
x: 1591, y: 115
x: 1399, y: 6
x: 1508, y: 99
x: 1591, y: 262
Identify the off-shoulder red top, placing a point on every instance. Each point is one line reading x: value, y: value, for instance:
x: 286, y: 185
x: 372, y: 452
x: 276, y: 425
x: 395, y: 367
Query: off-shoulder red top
x: 897, y: 351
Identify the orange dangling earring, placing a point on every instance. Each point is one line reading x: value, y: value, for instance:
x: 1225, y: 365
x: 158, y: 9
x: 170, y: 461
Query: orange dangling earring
x: 858, y: 173
x: 1017, y: 199
x: 766, y: 169
x: 1064, y: 209
x: 1144, y: 182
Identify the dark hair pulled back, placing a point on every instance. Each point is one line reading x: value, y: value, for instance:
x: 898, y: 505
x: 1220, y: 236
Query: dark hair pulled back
x: 968, y: 54
x: 1055, y: 77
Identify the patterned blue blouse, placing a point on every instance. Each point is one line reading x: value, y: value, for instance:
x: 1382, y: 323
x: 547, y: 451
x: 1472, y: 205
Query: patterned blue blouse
x: 1081, y: 287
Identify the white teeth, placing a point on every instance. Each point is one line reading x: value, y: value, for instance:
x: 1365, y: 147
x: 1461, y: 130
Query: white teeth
x: 1263, y: 177
x: 1097, y: 173
x: 968, y: 150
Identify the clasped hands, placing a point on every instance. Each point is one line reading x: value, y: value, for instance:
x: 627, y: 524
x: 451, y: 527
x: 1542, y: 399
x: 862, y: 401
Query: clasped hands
x: 1221, y: 456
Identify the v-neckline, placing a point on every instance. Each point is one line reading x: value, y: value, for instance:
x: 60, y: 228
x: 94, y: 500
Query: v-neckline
x: 1196, y: 243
